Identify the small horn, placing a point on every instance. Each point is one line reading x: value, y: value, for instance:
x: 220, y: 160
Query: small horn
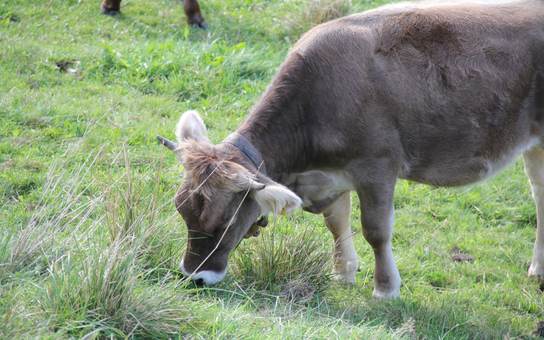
x: 168, y: 143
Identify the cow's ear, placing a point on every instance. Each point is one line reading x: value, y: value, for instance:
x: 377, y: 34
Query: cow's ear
x: 277, y: 199
x: 191, y: 126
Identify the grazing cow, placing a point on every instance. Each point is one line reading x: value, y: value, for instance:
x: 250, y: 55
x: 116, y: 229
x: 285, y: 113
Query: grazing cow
x: 444, y: 94
x: 191, y: 7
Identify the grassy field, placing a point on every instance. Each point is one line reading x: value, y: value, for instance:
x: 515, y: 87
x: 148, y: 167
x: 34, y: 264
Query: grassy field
x: 89, y: 237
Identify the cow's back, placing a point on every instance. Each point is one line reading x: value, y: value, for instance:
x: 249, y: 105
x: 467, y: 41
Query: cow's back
x: 444, y: 83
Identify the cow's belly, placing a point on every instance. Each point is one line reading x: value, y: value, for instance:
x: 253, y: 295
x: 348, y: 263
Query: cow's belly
x: 466, y: 170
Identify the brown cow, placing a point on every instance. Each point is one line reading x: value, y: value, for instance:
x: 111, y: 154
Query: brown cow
x: 440, y: 94
x: 191, y: 7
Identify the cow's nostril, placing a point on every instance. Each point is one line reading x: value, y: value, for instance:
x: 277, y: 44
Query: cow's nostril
x: 199, y: 282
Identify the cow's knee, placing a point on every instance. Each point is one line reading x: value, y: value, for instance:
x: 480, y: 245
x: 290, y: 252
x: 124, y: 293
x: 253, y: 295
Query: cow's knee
x: 337, y: 219
x: 378, y: 226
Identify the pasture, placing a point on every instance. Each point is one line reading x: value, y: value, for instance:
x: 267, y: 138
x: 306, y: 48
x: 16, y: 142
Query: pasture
x: 90, y: 241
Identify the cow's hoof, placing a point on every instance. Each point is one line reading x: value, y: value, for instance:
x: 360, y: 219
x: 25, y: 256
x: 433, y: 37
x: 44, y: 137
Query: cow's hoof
x: 386, y: 295
x: 536, y: 272
x: 202, y: 25
x: 109, y: 11
x: 197, y: 22
x: 347, y: 278
x: 345, y: 270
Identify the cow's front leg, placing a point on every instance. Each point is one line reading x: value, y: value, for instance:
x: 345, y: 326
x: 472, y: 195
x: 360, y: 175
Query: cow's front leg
x: 377, y: 219
x: 337, y: 219
x: 111, y: 7
x: 534, y: 166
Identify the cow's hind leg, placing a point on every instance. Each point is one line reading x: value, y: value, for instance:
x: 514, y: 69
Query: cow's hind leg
x: 111, y: 7
x: 337, y: 219
x: 377, y: 218
x: 534, y: 166
x: 192, y: 11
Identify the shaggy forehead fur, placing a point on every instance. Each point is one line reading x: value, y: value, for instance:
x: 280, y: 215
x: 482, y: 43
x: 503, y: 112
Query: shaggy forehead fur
x: 208, y: 169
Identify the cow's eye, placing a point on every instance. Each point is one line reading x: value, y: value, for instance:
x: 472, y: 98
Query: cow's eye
x: 198, y: 203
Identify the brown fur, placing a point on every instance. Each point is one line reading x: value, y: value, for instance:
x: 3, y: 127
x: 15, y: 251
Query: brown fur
x: 444, y: 94
x: 210, y: 170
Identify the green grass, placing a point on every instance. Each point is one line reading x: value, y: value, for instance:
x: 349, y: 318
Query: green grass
x: 89, y: 237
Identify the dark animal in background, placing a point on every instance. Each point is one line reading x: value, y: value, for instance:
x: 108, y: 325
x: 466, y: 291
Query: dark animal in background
x: 191, y: 7
x: 444, y: 94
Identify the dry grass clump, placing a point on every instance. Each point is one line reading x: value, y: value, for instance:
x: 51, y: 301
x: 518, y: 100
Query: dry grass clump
x: 133, y: 213
x: 64, y: 204
x: 296, y: 265
x: 97, y: 287
x: 316, y: 12
x: 100, y: 295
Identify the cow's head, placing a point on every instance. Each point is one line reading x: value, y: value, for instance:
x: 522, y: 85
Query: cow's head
x: 221, y: 198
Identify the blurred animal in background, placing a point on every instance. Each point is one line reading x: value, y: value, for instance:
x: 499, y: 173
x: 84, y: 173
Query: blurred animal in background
x: 191, y: 8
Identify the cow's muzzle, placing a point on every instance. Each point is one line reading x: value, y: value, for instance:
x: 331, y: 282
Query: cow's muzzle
x: 204, y: 277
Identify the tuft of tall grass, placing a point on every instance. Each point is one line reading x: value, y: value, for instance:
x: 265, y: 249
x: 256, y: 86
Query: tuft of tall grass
x: 98, y: 289
x: 294, y: 265
x: 5, y: 240
x: 316, y: 12
x: 133, y: 213
x: 100, y: 294
x: 64, y: 204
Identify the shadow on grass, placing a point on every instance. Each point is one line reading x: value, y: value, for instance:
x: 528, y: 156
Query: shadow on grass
x: 355, y: 307
x: 432, y: 322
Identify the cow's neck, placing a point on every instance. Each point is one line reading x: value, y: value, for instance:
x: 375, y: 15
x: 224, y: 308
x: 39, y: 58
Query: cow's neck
x: 279, y: 138
x: 277, y: 126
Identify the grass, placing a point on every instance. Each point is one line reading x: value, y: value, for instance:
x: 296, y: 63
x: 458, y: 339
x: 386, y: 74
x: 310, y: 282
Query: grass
x: 89, y: 237
x: 100, y: 294
x: 293, y: 264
